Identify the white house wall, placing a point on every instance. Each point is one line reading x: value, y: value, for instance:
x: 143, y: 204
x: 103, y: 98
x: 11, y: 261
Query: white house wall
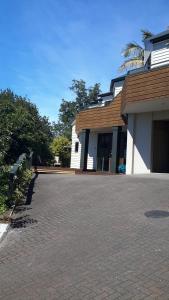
x: 92, y: 151
x: 117, y: 87
x: 142, y: 143
x: 75, y: 156
x: 130, y: 144
x: 139, y: 143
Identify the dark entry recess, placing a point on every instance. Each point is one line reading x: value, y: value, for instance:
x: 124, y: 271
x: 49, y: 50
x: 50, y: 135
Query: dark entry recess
x: 160, y: 163
x: 104, y: 150
x: 122, y: 147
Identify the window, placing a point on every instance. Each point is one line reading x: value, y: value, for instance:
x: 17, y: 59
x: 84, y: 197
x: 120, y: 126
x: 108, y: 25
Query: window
x: 76, y: 146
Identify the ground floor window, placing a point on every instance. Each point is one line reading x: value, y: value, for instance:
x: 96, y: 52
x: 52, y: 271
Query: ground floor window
x: 76, y: 146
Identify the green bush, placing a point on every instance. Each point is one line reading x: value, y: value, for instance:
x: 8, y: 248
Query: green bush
x: 61, y: 147
x: 3, y: 206
x: 21, y: 183
x: 4, y: 171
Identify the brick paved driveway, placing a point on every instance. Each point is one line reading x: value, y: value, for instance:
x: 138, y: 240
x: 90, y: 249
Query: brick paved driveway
x: 89, y: 237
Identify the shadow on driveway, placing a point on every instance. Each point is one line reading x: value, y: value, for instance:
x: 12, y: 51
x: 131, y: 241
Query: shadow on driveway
x: 23, y: 222
x: 30, y: 190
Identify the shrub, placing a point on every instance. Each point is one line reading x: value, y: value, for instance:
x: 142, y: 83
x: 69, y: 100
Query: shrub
x: 4, y: 171
x: 60, y: 146
x: 21, y: 183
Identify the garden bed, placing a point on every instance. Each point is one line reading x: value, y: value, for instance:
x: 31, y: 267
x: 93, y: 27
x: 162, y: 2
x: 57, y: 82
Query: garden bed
x: 5, y: 218
x: 15, y: 181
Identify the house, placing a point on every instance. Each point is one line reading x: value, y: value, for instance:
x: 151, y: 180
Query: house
x: 130, y: 124
x: 99, y: 133
x: 146, y: 103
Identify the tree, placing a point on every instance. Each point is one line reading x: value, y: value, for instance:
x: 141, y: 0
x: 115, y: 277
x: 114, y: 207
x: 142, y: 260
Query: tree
x: 60, y: 146
x: 134, y: 53
x: 22, y: 128
x: 67, y: 113
x: 68, y: 109
x: 7, y: 111
x: 81, y: 94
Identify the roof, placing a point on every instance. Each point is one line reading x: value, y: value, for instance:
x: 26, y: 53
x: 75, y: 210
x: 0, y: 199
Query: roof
x: 106, y: 94
x: 117, y: 79
x: 159, y: 37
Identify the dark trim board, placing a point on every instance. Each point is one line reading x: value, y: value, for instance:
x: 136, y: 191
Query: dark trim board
x: 159, y: 37
x: 118, y: 79
x: 106, y: 94
x: 86, y: 149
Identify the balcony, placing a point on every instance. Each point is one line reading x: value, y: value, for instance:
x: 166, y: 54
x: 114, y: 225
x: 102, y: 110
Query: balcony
x: 101, y: 117
x: 145, y: 91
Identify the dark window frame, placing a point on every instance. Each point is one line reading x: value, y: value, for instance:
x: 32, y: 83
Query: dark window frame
x: 76, y: 147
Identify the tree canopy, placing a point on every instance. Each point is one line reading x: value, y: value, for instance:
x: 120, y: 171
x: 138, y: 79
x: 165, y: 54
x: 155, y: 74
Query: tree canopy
x: 83, y: 97
x: 22, y: 128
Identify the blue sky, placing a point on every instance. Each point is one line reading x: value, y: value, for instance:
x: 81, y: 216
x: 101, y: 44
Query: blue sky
x: 44, y: 44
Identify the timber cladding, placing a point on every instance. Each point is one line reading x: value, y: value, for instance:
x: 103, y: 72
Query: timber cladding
x: 145, y: 86
x: 101, y: 117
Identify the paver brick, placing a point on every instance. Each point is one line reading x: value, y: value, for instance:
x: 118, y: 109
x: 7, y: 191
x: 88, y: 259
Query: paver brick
x: 89, y: 237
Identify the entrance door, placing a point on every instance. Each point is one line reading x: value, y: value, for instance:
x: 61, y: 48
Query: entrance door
x: 104, y: 150
x: 161, y: 146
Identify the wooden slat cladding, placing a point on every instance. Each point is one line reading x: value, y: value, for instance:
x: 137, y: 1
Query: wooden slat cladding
x: 101, y: 117
x: 145, y: 86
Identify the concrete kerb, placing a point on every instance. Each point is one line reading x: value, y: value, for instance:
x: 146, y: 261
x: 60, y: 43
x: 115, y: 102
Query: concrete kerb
x: 4, y: 227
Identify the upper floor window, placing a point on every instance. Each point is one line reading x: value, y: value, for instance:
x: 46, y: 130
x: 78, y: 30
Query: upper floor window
x: 160, y: 54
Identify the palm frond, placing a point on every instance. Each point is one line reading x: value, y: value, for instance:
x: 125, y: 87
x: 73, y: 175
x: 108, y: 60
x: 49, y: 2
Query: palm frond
x: 131, y: 49
x: 146, y: 34
x: 131, y: 63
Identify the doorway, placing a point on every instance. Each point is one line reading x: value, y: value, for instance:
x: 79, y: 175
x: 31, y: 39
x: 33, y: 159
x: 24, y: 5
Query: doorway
x: 104, y: 151
x: 160, y: 145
